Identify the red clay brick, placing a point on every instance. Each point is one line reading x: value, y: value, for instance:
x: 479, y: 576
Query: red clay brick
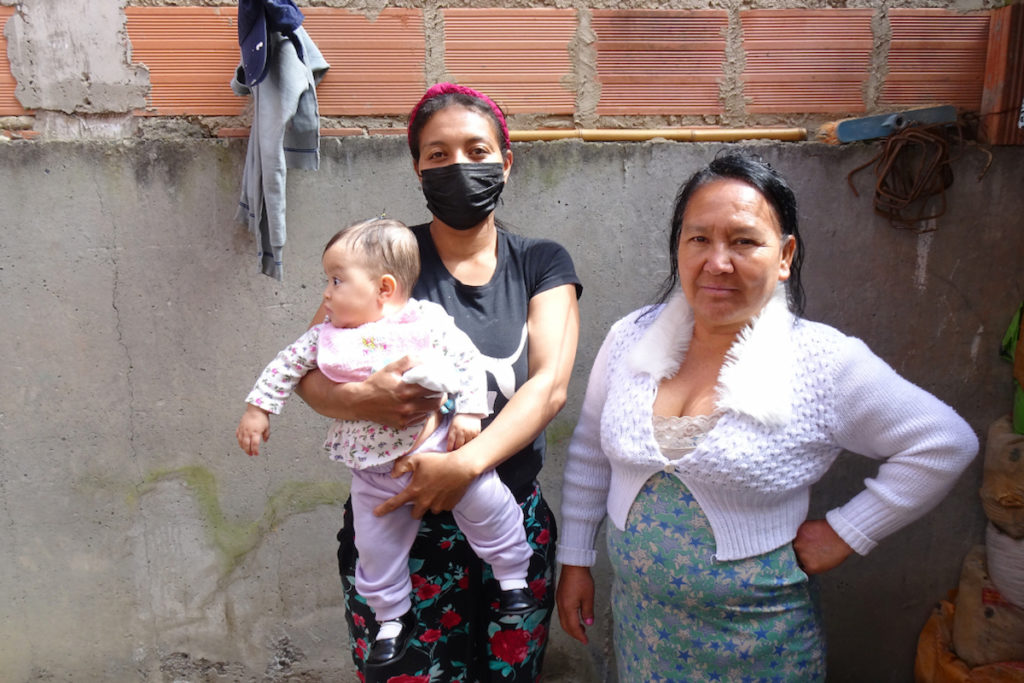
x: 936, y: 57
x: 519, y: 57
x: 659, y: 61
x: 813, y: 61
x: 9, y: 105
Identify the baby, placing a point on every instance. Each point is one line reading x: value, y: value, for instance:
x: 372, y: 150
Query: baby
x: 371, y: 268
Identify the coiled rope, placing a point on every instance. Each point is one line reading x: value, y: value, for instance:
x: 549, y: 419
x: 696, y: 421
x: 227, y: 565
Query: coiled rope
x: 913, y: 167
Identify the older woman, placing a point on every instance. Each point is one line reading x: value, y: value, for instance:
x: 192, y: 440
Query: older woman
x: 706, y: 421
x: 515, y: 297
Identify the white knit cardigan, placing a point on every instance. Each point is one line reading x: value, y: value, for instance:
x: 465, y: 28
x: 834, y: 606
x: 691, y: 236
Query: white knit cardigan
x: 792, y: 395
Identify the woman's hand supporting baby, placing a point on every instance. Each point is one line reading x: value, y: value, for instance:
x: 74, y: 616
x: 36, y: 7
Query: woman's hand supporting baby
x: 442, y: 480
x: 382, y: 397
x: 439, y: 482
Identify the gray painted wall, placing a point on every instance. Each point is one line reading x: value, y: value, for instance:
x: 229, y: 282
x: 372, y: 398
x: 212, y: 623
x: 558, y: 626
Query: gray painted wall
x: 139, y: 542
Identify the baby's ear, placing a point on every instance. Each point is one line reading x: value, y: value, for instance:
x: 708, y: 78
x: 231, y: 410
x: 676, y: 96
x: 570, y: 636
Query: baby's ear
x: 388, y: 286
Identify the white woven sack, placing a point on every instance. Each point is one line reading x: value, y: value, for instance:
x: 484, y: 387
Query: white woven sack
x: 1006, y: 564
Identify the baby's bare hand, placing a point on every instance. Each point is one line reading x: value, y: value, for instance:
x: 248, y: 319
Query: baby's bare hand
x: 254, y: 425
x: 462, y: 430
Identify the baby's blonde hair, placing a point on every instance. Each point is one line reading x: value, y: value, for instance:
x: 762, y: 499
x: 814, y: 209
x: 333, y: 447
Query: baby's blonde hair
x: 386, y: 247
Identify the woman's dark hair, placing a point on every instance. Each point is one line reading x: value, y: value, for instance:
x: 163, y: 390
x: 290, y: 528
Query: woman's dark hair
x: 428, y: 107
x: 755, y: 172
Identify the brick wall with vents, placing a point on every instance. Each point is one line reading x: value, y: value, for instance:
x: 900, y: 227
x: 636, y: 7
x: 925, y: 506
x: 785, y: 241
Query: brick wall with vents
x: 580, y: 66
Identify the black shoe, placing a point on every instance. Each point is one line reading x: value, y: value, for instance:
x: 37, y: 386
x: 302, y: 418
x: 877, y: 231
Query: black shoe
x: 517, y: 601
x: 386, y: 651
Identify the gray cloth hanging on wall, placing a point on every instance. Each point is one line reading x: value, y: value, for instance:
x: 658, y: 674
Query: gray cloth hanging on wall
x: 285, y: 134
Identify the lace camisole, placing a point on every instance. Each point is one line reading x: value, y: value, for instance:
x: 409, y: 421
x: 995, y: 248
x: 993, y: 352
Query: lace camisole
x: 678, y: 436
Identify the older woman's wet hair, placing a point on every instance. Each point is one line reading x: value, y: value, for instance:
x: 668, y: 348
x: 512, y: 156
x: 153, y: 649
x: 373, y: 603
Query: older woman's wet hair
x: 384, y: 246
x: 757, y: 173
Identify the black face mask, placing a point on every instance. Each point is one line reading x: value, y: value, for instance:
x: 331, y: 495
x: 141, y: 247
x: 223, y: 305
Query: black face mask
x: 463, y: 195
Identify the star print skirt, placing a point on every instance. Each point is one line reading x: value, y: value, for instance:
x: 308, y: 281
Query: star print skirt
x: 682, y: 616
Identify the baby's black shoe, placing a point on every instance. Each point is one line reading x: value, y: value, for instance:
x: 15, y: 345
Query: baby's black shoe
x: 386, y: 650
x: 517, y: 601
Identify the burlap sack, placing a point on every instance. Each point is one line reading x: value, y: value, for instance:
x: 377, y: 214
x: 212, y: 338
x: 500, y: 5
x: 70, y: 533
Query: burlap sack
x: 937, y: 663
x: 987, y: 628
x: 1005, y: 558
x: 1002, y: 484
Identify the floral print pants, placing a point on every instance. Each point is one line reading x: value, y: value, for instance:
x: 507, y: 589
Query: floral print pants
x: 460, y: 637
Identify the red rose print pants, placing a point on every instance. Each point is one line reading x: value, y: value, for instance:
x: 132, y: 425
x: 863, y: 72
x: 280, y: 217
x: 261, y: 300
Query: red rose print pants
x: 460, y: 636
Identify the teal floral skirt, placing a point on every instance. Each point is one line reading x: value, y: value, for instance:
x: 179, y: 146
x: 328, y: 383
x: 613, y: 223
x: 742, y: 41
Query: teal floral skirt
x: 681, y: 615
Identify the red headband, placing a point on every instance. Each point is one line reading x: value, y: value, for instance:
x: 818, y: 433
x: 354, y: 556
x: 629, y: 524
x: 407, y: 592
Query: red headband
x: 446, y: 88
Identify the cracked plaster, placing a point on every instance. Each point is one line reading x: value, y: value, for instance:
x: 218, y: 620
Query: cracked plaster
x: 194, y: 565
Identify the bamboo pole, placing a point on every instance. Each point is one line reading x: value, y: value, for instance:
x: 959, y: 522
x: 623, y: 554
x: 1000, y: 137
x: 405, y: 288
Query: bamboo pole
x: 684, y: 134
x: 592, y: 134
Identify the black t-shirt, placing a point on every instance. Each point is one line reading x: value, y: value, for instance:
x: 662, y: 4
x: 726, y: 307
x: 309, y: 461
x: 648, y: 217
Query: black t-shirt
x: 494, y: 316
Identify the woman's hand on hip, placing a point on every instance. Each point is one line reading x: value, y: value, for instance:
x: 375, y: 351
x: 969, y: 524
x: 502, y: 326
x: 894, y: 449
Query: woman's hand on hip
x: 439, y: 480
x: 818, y: 547
x: 575, y: 600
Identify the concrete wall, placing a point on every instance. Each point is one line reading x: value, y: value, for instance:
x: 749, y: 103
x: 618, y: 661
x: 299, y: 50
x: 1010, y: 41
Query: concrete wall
x: 141, y: 544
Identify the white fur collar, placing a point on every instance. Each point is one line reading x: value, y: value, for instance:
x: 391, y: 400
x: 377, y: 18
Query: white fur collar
x: 755, y: 380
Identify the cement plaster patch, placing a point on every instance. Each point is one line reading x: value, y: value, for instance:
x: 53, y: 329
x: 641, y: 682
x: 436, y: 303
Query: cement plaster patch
x: 74, y: 57
x: 584, y: 80
x: 55, y: 125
